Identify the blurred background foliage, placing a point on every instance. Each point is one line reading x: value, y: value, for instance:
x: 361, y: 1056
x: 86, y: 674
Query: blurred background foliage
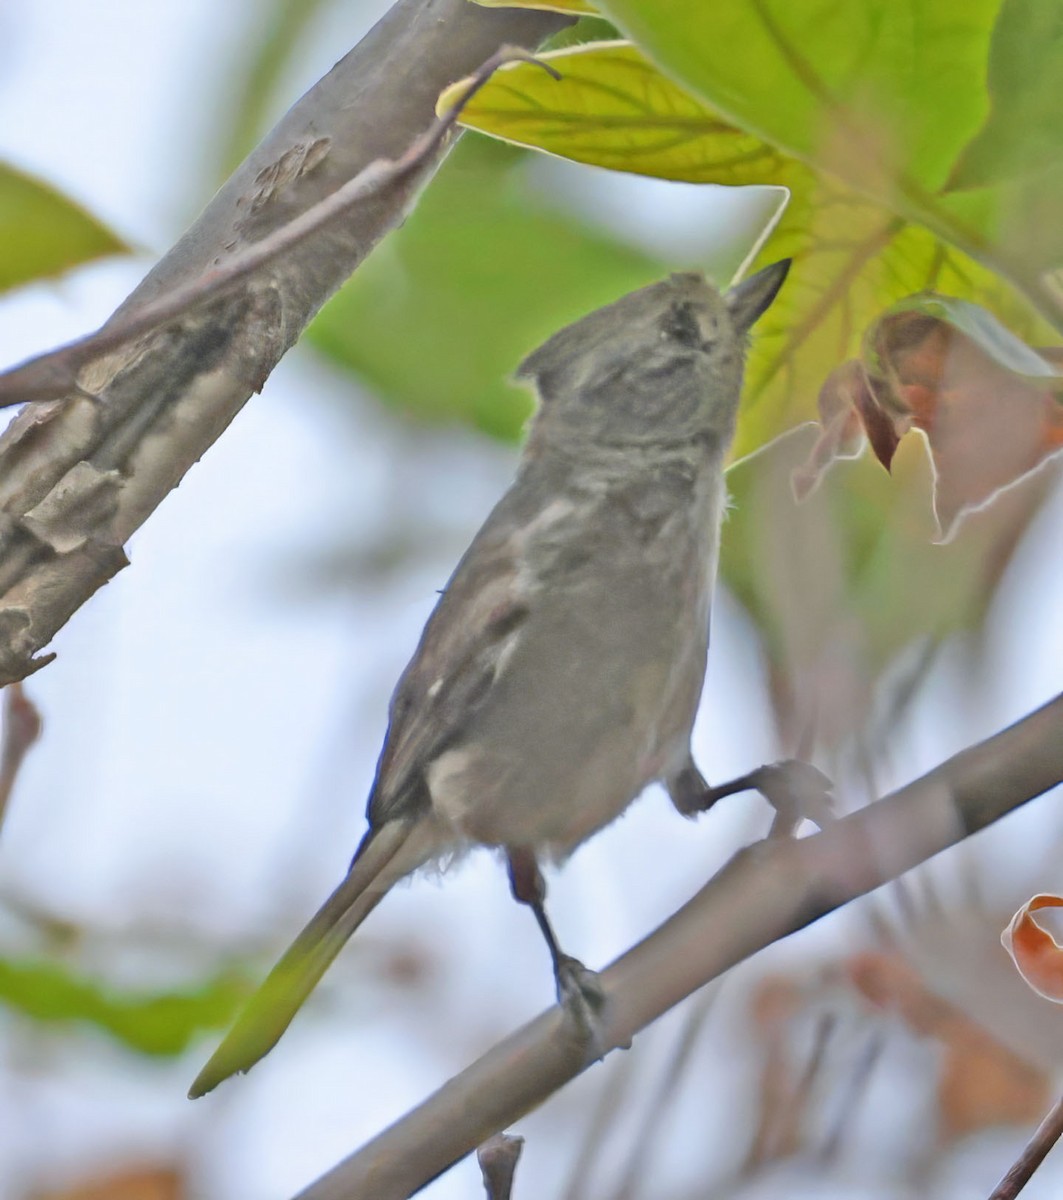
x: 938, y: 177
x: 43, y: 233
x: 485, y: 269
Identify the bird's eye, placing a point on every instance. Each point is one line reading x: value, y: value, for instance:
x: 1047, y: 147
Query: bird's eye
x: 681, y: 325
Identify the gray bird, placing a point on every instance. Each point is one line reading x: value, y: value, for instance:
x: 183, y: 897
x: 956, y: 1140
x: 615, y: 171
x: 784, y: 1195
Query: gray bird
x: 561, y: 669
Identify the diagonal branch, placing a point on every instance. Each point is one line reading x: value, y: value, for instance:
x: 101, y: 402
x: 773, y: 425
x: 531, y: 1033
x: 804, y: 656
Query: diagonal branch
x: 763, y: 894
x: 78, y: 476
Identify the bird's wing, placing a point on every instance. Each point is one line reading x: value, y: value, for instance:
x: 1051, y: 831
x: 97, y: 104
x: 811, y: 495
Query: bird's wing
x: 450, y: 675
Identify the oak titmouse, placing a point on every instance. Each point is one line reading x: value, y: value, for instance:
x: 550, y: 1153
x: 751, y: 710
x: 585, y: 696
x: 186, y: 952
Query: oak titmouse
x: 562, y: 667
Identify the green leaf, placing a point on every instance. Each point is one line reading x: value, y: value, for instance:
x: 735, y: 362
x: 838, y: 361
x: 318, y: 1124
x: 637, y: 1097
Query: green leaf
x: 853, y: 258
x: 483, y: 271
x: 875, y: 93
x: 883, y: 97
x: 43, y: 234
x: 586, y: 29
x: 1023, y: 132
x: 613, y: 108
x: 162, y: 1023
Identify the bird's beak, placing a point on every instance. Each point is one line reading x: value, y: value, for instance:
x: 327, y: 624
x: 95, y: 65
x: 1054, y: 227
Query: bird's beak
x: 749, y: 299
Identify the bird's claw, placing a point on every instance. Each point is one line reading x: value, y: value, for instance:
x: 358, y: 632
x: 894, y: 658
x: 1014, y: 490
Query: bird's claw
x: 581, y: 995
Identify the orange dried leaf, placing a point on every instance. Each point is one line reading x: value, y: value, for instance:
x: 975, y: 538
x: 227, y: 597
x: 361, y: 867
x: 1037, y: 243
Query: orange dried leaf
x: 1035, y: 952
x: 987, y: 403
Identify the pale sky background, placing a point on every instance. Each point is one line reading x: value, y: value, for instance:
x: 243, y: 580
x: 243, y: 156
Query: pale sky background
x: 211, y: 726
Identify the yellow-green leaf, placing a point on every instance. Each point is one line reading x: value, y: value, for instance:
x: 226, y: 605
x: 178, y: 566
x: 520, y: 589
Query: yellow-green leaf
x: 42, y: 233
x: 884, y: 96
x: 613, y: 108
x: 852, y: 261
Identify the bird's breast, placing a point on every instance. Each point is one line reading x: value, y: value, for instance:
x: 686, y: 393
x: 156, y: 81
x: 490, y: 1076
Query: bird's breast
x: 597, y: 692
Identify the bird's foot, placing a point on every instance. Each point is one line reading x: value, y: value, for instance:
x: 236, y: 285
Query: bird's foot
x: 796, y: 790
x: 581, y: 995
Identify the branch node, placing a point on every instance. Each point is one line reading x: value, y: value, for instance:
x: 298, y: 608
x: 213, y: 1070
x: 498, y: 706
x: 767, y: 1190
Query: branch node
x: 498, y: 1158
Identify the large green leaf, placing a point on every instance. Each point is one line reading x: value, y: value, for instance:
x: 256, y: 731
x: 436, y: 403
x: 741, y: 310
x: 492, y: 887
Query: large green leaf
x: 484, y: 270
x: 884, y: 96
x: 161, y: 1023
x: 42, y: 233
x: 853, y: 258
x: 1023, y: 133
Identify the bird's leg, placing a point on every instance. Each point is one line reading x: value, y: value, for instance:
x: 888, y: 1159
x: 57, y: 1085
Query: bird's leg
x: 795, y: 789
x: 578, y: 988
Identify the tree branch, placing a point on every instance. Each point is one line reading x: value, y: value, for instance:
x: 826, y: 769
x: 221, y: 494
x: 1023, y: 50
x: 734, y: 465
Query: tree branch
x: 79, y: 476
x: 763, y: 894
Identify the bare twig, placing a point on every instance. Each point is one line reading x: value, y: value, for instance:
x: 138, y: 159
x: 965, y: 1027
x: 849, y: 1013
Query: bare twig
x: 765, y: 893
x: 53, y: 375
x: 22, y: 727
x: 498, y: 1158
x: 853, y: 1091
x: 1048, y: 1133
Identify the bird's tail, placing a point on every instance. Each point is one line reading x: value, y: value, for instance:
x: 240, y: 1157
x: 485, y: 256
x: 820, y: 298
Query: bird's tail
x: 385, y: 856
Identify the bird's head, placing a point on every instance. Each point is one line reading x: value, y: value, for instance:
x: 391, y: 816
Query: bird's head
x: 661, y: 364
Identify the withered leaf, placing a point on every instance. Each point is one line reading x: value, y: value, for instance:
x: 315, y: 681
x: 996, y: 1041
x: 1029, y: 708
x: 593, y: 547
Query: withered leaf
x: 988, y: 404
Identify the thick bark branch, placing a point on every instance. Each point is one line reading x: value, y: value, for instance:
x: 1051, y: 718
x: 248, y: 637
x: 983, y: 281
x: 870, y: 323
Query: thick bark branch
x: 79, y: 476
x: 765, y: 893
